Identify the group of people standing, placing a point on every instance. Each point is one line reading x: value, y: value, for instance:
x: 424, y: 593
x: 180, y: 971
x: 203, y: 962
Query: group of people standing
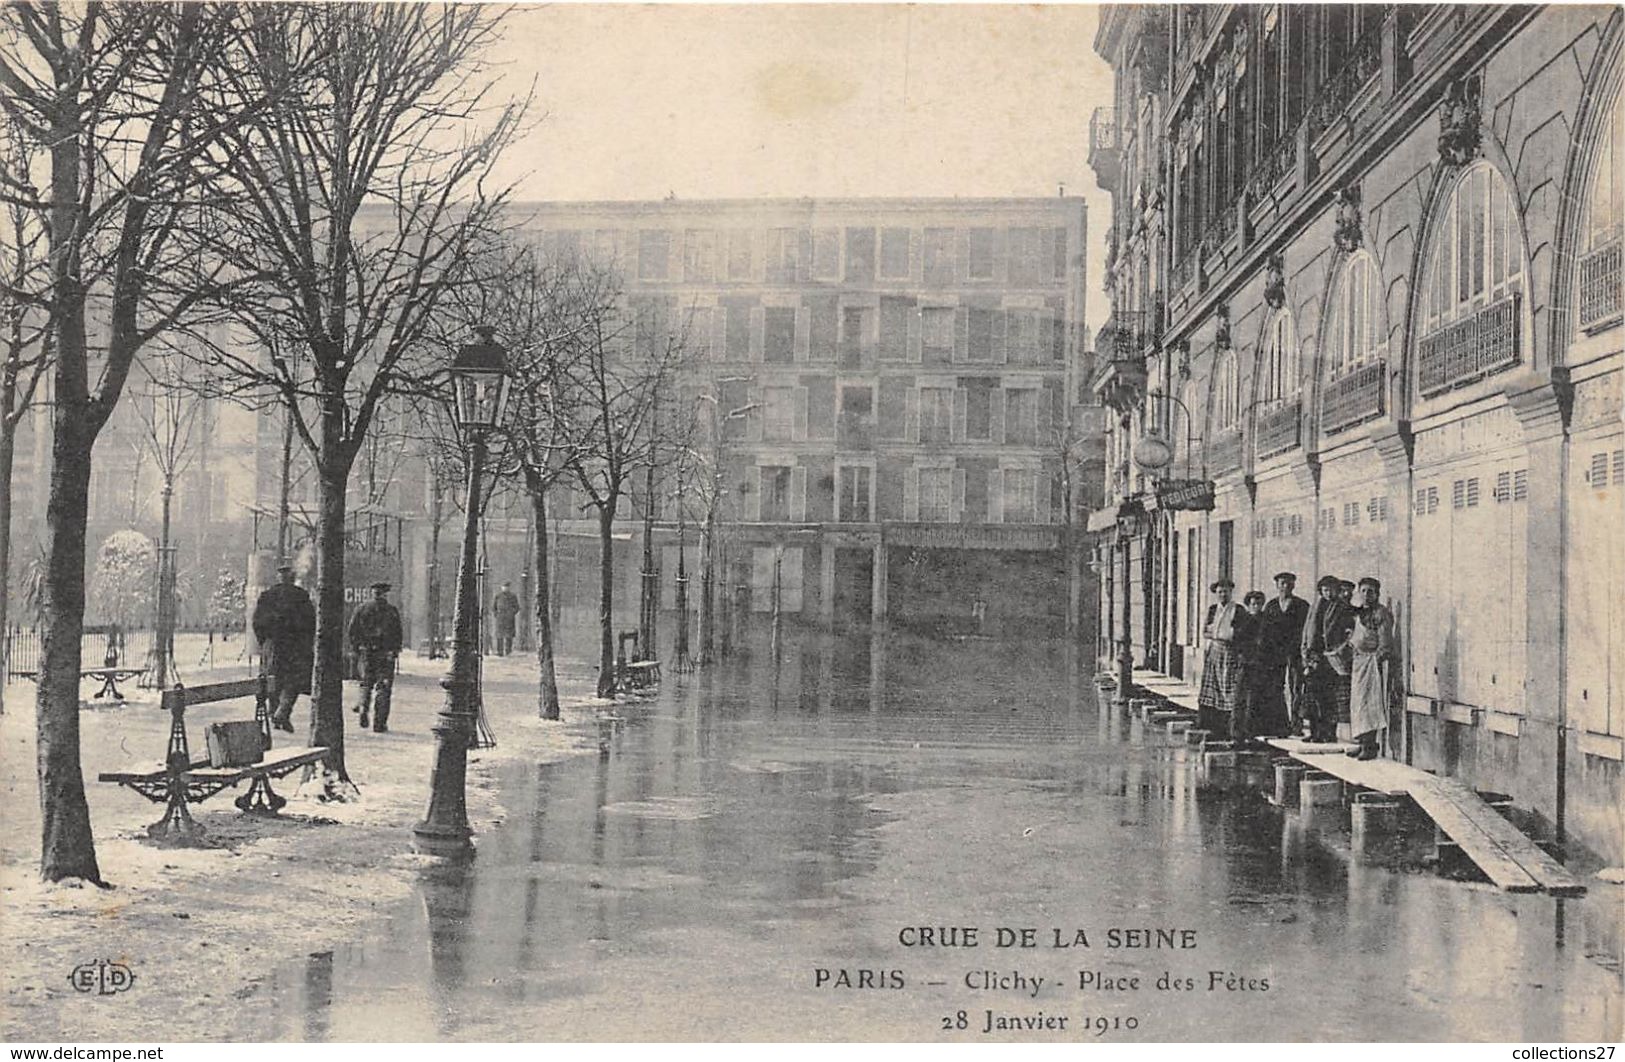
x: 1275, y: 667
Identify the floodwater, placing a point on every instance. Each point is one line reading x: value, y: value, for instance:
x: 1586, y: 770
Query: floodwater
x: 890, y: 839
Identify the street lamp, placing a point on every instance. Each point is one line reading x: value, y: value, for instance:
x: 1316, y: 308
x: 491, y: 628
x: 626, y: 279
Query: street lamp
x: 480, y: 378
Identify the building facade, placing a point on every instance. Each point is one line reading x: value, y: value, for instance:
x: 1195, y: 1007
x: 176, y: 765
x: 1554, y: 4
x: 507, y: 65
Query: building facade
x: 1388, y: 315
x: 902, y: 377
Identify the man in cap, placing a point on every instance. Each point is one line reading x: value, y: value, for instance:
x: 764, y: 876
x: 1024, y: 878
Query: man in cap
x: 1281, y: 657
x: 1324, y: 645
x: 375, y: 637
x: 284, y: 623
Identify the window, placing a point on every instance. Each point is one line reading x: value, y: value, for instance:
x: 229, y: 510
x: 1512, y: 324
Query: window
x: 779, y: 335
x: 1025, y: 331
x: 936, y: 414
x: 1020, y: 496
x: 937, y: 333
x: 853, y: 504
x: 979, y: 335
x: 854, y: 430
x: 737, y: 337
x: 654, y: 248
x: 778, y: 414
x: 775, y: 486
x: 1027, y: 261
x: 860, y: 254
x: 936, y: 495
x: 1354, y: 333
x: 1021, y: 416
x: 1280, y: 383
x: 980, y: 266
x: 1606, y: 215
x: 1227, y: 549
x: 894, y: 315
x: 826, y: 263
x: 741, y: 261
x: 699, y: 255
x: 938, y: 253
x: 823, y: 327
x: 1477, y: 249
x: 697, y: 331
x: 783, y: 255
x: 1226, y: 391
x: 979, y: 410
x: 894, y: 254
x: 856, y: 322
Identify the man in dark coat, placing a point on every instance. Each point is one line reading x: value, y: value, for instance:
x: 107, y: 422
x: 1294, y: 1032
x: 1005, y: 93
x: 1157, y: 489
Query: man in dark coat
x: 285, y: 624
x: 1325, y: 641
x: 505, y: 610
x: 375, y: 637
x: 1281, y: 653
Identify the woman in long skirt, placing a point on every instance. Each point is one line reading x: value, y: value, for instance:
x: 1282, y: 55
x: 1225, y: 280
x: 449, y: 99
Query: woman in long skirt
x: 1222, y: 670
x: 1372, y: 642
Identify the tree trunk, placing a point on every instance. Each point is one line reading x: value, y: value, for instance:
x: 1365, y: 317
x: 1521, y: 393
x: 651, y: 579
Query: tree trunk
x: 164, y: 642
x: 67, y: 847
x: 8, y: 453
x: 284, y: 488
x: 606, y: 600
x: 547, y: 683
x: 708, y: 586
x: 327, y: 693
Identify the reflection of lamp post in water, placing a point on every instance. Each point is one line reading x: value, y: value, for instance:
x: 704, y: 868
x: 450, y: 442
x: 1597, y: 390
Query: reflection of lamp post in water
x: 480, y: 377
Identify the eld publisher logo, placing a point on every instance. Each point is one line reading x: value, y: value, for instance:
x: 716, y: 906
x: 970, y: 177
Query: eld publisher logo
x: 102, y: 977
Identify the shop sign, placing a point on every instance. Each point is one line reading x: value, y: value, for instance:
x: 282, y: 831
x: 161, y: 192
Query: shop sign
x: 1188, y: 495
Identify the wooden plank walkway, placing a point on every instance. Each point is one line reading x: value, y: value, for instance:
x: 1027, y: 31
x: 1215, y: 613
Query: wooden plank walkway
x: 1506, y: 855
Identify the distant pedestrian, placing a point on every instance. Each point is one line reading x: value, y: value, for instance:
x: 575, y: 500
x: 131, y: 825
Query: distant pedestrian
x: 375, y: 637
x: 1372, y: 645
x: 505, y: 610
x: 1221, y: 688
x: 1282, y: 656
x: 1325, y: 645
x: 284, y: 622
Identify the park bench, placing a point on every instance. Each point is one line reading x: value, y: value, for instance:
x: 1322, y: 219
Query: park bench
x: 238, y: 751
x: 634, y: 674
x: 109, y: 677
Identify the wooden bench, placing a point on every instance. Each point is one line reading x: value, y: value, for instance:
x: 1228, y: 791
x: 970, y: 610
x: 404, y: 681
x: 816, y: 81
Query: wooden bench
x: 180, y: 780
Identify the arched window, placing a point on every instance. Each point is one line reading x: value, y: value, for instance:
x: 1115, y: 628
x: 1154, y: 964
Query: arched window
x: 1477, y: 253
x: 1279, y: 384
x: 1604, y: 223
x: 1226, y: 391
x: 1474, y: 319
x: 1354, y: 333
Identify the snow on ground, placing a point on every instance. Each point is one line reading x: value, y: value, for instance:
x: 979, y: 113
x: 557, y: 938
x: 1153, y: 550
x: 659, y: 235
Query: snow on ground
x: 202, y: 924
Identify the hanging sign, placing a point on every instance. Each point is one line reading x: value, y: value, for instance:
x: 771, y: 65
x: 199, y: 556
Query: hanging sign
x: 1188, y: 495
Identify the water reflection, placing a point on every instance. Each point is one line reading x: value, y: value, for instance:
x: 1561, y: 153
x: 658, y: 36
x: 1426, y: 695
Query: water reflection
x: 772, y: 814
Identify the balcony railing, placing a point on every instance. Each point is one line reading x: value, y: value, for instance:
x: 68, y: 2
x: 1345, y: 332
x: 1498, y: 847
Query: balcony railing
x: 1338, y: 92
x: 1478, y: 345
x: 1122, y: 337
x: 1353, y: 398
x: 1599, y: 285
x: 1278, y: 430
x: 1276, y: 162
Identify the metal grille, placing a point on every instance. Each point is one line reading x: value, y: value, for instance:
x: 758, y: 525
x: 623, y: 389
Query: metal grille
x: 1353, y: 398
x: 1278, y: 430
x: 1479, y: 344
x: 1599, y: 285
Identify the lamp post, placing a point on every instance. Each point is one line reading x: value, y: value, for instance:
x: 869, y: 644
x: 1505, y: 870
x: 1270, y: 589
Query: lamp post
x: 480, y: 377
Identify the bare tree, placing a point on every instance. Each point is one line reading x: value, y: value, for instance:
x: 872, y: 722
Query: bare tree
x: 360, y: 200
x: 121, y: 101
x: 623, y: 367
x: 170, y: 412
x: 27, y: 334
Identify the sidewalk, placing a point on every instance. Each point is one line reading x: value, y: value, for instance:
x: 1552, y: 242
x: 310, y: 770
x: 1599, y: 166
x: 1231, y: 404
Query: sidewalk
x: 203, y: 924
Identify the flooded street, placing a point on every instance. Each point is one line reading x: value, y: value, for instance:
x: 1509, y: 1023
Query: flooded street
x: 836, y: 847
